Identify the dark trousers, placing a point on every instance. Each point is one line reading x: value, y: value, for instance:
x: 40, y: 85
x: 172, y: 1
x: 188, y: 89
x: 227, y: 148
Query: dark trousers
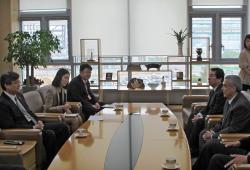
x: 211, y: 148
x: 193, y: 130
x: 218, y: 161
x: 201, y: 140
x: 11, y: 167
x: 54, y: 136
x: 245, y: 87
x: 88, y: 109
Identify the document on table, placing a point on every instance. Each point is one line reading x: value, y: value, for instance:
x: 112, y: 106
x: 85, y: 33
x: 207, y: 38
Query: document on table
x: 96, y: 117
x: 108, y: 106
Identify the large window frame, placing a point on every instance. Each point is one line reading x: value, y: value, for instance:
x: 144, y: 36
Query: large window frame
x: 44, y: 18
x: 217, y: 15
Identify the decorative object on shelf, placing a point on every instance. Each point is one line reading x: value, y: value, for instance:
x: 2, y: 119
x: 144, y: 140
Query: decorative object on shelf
x: 31, y: 50
x: 92, y: 82
x: 153, y: 85
x: 153, y: 65
x: 163, y: 83
x: 199, y: 52
x: 135, y: 83
x: 90, y: 50
x: 109, y: 76
x: 180, y: 37
x: 133, y: 67
x: 91, y: 59
x: 199, y: 82
x: 179, y: 75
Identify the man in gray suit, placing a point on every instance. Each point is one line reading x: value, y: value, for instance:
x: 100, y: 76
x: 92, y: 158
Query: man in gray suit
x: 236, y: 119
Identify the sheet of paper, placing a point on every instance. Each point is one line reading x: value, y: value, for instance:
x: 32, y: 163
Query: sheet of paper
x: 96, y: 117
x: 108, y: 106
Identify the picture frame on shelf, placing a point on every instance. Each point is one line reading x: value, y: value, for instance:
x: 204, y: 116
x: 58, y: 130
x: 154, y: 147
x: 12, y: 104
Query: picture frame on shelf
x: 90, y: 50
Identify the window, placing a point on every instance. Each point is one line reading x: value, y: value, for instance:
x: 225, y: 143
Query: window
x: 231, y: 37
x: 60, y: 29
x: 202, y: 31
x: 225, y: 28
x: 31, y: 26
x: 58, y: 24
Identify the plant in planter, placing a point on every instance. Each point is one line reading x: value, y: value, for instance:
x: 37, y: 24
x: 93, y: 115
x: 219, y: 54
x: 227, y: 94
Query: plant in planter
x: 180, y: 37
x: 30, y: 51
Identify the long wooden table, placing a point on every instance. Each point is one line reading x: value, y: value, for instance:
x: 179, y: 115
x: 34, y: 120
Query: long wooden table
x: 157, y: 144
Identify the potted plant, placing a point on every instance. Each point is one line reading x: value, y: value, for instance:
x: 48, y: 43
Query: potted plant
x: 180, y: 37
x: 29, y: 51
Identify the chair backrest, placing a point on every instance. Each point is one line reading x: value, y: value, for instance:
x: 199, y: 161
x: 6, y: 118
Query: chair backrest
x: 246, y: 94
x: 43, y: 91
x: 187, y: 100
x: 34, y: 101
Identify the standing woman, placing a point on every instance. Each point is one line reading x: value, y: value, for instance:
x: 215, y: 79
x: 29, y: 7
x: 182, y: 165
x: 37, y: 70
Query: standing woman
x: 56, y: 96
x: 244, y: 64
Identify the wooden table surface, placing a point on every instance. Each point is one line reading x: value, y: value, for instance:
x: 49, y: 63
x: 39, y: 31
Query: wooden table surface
x: 90, y: 153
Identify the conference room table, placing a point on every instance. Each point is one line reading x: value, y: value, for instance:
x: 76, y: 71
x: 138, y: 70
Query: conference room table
x: 134, y: 136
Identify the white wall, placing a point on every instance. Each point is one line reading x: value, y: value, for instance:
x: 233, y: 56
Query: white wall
x: 104, y: 19
x: 152, y: 22
x: 42, y: 4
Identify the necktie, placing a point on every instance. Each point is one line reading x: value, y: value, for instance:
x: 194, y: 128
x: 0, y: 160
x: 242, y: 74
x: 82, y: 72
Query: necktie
x: 85, y: 84
x: 27, y: 116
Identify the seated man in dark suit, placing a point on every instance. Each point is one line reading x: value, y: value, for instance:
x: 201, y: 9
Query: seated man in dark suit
x: 79, y: 91
x: 236, y: 119
x: 236, y: 153
x: 216, y: 101
x: 15, y: 113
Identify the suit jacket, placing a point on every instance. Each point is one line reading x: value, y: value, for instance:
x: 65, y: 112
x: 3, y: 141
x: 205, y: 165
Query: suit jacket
x: 215, y: 103
x: 11, y: 116
x: 52, y: 99
x: 236, y: 118
x: 77, y: 92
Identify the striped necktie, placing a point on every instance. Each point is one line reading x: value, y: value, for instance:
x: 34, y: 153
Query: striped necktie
x: 27, y: 116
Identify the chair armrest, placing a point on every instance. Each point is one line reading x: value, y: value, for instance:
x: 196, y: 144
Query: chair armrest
x: 10, y: 149
x: 218, y: 116
x: 21, y: 134
x: 242, y: 166
x: 49, y: 117
x: 226, y: 137
x: 211, y: 122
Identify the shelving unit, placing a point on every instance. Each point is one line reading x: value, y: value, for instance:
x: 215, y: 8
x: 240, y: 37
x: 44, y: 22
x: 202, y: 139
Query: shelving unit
x: 147, y: 77
x: 203, y: 65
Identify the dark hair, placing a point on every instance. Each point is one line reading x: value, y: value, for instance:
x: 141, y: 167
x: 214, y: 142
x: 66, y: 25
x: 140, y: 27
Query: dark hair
x: 84, y: 66
x: 8, y: 78
x: 246, y: 37
x: 219, y: 73
x: 60, y: 73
